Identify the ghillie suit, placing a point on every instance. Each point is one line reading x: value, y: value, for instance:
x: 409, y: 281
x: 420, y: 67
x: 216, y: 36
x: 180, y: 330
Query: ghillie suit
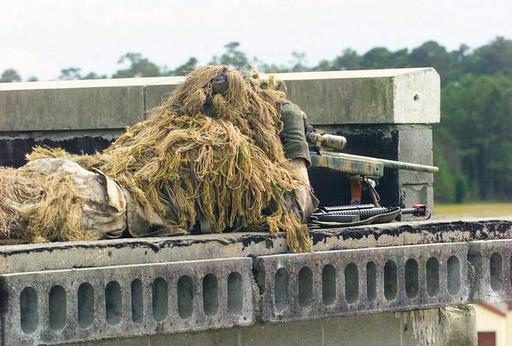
x: 209, y: 157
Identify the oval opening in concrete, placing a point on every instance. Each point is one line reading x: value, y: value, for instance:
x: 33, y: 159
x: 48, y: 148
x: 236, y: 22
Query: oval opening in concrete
x: 390, y: 280
x: 113, y: 303
x: 137, y: 301
x: 185, y: 296
x: 496, y: 268
x: 453, y: 275
x: 351, y: 283
x: 432, y: 276
x: 210, y: 295
x: 160, y: 302
x: 57, y: 307
x: 235, y: 296
x: 371, y: 281
x: 305, y: 287
x: 29, y: 312
x: 328, y: 284
x: 411, y: 278
x: 85, y: 305
x: 281, y: 290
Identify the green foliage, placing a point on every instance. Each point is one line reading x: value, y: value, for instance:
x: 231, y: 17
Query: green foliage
x: 233, y: 57
x: 10, y: 75
x: 138, y: 67
x: 444, y: 181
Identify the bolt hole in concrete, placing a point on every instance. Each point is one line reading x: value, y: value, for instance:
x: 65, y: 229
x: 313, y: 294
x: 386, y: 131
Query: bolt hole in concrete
x: 57, y: 307
x: 432, y: 276
x: 453, y: 275
x: 328, y: 284
x: 210, y: 295
x: 371, y: 281
x: 351, y: 283
x: 85, y: 305
x: 185, y: 296
x: 416, y: 97
x: 235, y: 297
x: 160, y: 299
x: 113, y: 303
x: 305, y: 287
x: 29, y: 314
x: 281, y: 289
x: 137, y: 302
x: 496, y: 268
x: 390, y: 280
x: 411, y: 278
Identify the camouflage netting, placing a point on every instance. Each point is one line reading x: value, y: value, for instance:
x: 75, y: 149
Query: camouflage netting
x: 200, y: 153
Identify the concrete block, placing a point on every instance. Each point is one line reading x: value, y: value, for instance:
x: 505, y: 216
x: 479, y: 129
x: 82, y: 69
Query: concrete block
x: 395, y: 96
x: 415, y: 146
x: 353, y: 282
x: 490, y: 270
x: 90, y: 304
x: 417, y: 193
x: 70, y: 106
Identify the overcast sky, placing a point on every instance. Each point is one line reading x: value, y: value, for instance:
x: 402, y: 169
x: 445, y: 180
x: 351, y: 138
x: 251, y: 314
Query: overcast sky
x: 40, y: 37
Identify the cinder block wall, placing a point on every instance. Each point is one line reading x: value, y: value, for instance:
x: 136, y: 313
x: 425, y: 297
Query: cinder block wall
x: 383, y: 113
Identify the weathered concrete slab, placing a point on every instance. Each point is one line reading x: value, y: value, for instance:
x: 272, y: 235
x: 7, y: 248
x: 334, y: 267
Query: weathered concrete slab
x: 397, y: 96
x: 53, y: 307
x: 355, y: 331
x: 70, y: 107
x: 351, y: 282
x: 84, y: 254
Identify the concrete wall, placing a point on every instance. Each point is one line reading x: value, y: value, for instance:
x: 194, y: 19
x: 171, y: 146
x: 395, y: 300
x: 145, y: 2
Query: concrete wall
x: 387, y: 329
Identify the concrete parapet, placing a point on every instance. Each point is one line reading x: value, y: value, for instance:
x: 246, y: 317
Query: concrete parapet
x: 44, y: 305
x: 351, y: 282
x: 395, y: 96
x: 54, y: 307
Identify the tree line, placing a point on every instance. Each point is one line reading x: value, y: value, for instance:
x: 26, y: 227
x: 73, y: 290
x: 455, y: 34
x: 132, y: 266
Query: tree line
x: 473, y: 142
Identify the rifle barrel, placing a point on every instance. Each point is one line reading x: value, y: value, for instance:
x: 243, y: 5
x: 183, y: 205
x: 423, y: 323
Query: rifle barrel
x: 388, y: 163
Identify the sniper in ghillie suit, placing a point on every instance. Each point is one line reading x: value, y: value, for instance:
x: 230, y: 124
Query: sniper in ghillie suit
x: 209, y: 159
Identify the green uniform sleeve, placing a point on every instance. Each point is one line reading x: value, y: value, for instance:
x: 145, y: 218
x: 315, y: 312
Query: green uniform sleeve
x: 293, y: 136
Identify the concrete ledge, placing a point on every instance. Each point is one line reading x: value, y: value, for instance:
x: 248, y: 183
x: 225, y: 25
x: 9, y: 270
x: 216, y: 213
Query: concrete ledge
x: 342, y: 97
x: 112, y: 298
x: 86, y: 254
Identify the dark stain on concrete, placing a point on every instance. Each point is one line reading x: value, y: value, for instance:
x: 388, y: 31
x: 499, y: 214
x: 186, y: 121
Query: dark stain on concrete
x: 13, y: 150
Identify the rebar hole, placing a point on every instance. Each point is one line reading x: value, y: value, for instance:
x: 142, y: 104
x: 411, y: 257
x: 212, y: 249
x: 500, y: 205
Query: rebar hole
x: 351, y: 283
x: 371, y: 281
x: 328, y: 284
x: 411, y: 278
x: 160, y: 302
x: 185, y: 296
x: 432, y: 276
x: 85, y: 305
x: 29, y: 311
x: 281, y: 289
x: 496, y: 268
x: 390, y: 280
x: 453, y: 275
x: 57, y: 308
x: 137, y: 302
x: 235, y: 296
x: 113, y: 303
x: 210, y: 294
x: 305, y: 287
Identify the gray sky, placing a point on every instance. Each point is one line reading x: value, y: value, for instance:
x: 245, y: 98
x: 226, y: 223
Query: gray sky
x: 40, y: 37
